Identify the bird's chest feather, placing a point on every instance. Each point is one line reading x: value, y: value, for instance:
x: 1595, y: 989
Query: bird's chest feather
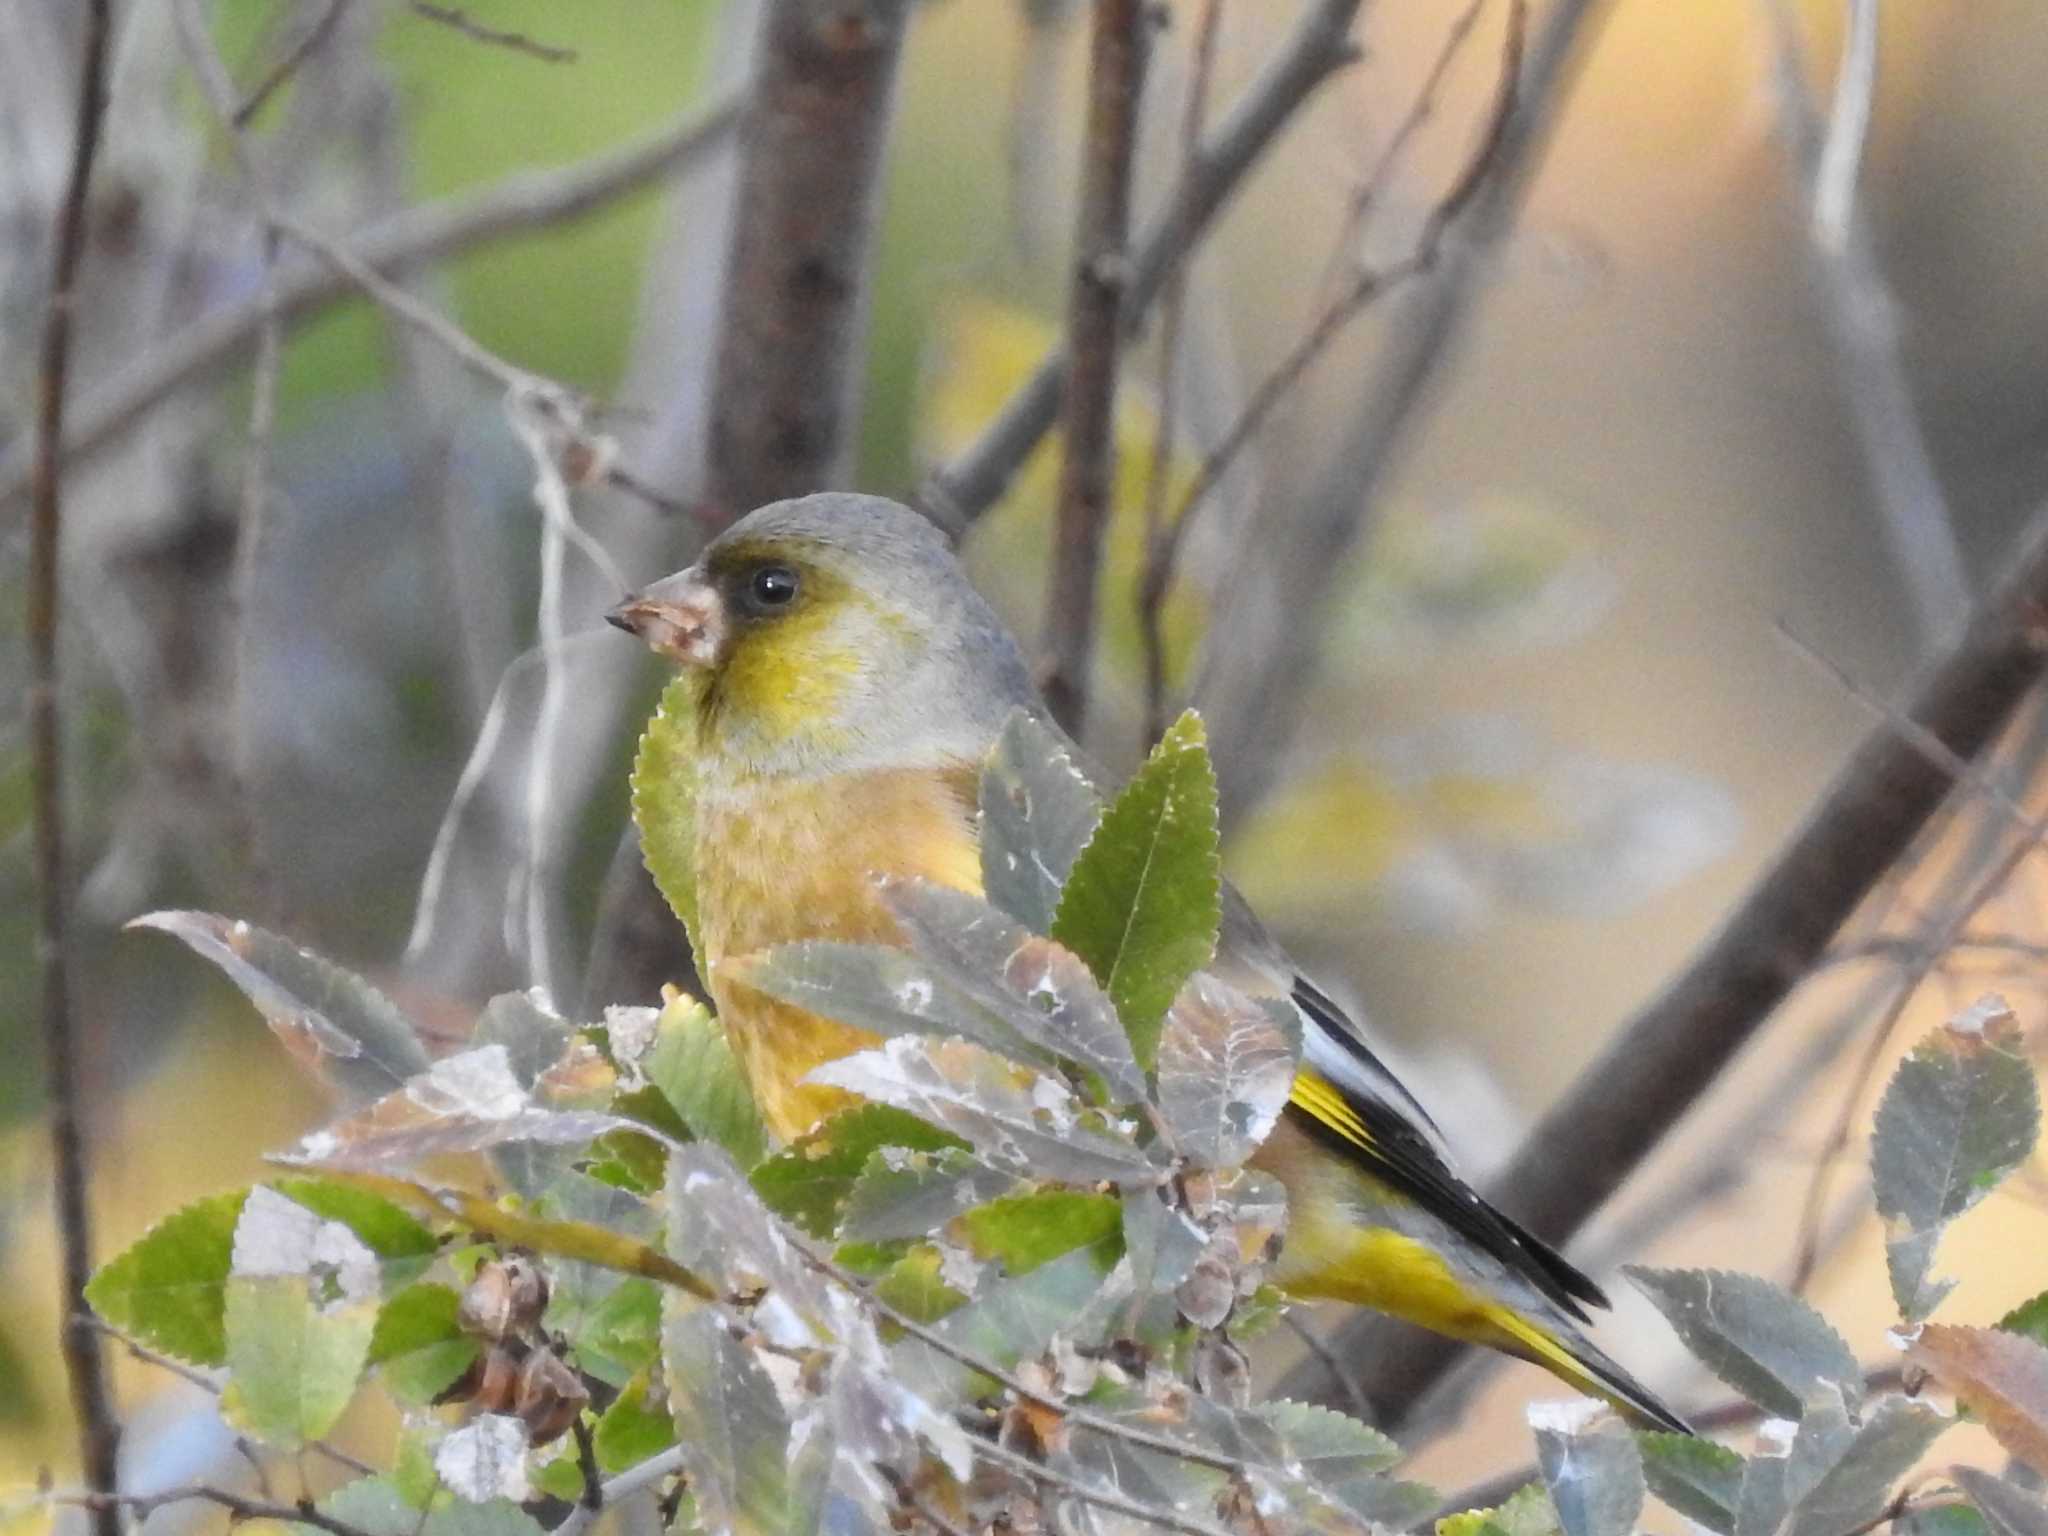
x: 784, y: 860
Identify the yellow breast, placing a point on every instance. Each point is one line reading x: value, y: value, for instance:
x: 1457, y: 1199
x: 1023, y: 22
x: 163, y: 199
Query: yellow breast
x: 783, y: 860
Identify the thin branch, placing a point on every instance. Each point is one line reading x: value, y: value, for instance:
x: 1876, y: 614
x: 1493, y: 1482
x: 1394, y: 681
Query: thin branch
x: 1115, y: 1503
x: 141, y: 1506
x: 1861, y: 313
x: 957, y: 493
x: 92, y: 1400
x: 1118, y: 43
x: 461, y: 21
x: 289, y: 65
x: 1368, y: 284
x: 633, y: 1480
x: 515, y: 206
x: 1664, y: 1059
x: 1172, y: 306
x: 251, y: 541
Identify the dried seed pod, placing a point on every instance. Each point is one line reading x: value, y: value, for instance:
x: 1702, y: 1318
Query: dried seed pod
x: 1222, y: 1371
x: 1209, y: 1292
x: 507, y: 1297
x: 497, y: 1383
x: 550, y: 1396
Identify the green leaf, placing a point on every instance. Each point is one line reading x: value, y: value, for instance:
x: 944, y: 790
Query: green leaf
x: 1037, y: 813
x: 665, y: 801
x: 2008, y: 1509
x: 1144, y: 901
x: 636, y: 1426
x: 900, y: 1193
x: 731, y: 1426
x: 809, y: 1184
x: 1699, y: 1479
x: 1526, y: 1512
x: 1590, y: 1465
x: 292, y: 1361
x: 694, y: 1067
x: 2030, y: 1318
x: 1342, y: 1457
x: 1008, y: 1320
x: 403, y: 1246
x: 168, y: 1288
x: 417, y: 1346
x: 376, y: 1507
x: 1951, y: 1520
x: 1024, y: 1231
x: 915, y: 1285
x: 1961, y: 1113
x: 331, y: 1020
x: 620, y: 1336
x: 1757, y: 1337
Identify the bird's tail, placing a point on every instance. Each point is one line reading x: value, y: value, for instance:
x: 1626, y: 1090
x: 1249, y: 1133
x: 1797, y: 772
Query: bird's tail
x: 1577, y: 1362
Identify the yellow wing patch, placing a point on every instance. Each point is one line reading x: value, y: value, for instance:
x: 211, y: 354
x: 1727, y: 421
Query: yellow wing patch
x: 1316, y: 1096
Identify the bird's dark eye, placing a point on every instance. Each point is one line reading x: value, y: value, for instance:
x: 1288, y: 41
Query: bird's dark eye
x: 772, y: 586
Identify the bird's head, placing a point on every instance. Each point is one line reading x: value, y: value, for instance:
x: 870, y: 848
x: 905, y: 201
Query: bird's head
x: 832, y: 633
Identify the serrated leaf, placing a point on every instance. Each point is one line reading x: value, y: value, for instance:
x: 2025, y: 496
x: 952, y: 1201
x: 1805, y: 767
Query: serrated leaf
x: 1342, y: 1458
x: 1757, y: 1337
x: 1856, y: 1487
x: 665, y: 801
x: 1009, y: 1320
x: 292, y: 1362
x: 404, y: 1247
x: 469, y: 1102
x: 900, y: 1193
x: 1037, y: 813
x: 1143, y: 903
x: 1022, y: 1232
x: 1225, y: 1069
x: 331, y: 1020
x: 731, y: 1426
x: 532, y: 1031
x: 168, y: 1288
x: 718, y: 1226
x: 915, y: 1285
x: 693, y: 1065
x: 2029, y: 1318
x: 809, y: 1183
x: 636, y: 1426
x: 1699, y: 1479
x: 2000, y: 1377
x: 376, y: 1507
x: 1526, y: 1512
x: 1589, y: 1463
x: 1013, y: 1117
x: 621, y: 1335
x: 418, y: 1348
x: 2008, y: 1509
x: 1039, y: 990
x: 1961, y: 1113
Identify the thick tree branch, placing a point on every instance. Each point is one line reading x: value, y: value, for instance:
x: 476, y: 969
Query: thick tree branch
x: 803, y: 234
x: 957, y: 493
x: 92, y: 1399
x: 515, y: 206
x: 1116, y: 84
x: 1662, y: 1061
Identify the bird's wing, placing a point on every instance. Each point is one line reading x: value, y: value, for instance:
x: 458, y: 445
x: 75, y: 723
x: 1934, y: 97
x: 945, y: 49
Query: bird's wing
x: 1346, y: 1097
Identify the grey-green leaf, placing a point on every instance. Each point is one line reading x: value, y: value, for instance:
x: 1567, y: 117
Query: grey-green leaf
x: 1226, y: 1067
x: 902, y: 1193
x: 1961, y: 1113
x: 1590, y: 1465
x: 330, y: 1019
x: 1037, y: 813
x: 1144, y: 901
x: 1854, y: 1489
x: 2008, y: 1509
x: 1696, y: 1477
x: 730, y: 1425
x: 1040, y: 990
x: 1757, y: 1337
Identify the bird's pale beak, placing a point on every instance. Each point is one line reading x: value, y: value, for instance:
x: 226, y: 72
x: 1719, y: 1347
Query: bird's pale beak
x: 682, y: 618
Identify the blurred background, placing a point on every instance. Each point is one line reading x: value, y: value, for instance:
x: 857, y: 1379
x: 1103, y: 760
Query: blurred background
x: 1557, y: 722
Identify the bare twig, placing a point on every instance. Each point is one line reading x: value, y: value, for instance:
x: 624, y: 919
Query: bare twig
x: 1150, y: 1513
x: 633, y: 1480
x: 1660, y: 1063
x: 92, y: 1401
x: 1368, y: 284
x: 141, y: 1506
x: 1116, y: 83
x: 289, y: 65
x: 957, y: 493
x: 1171, y: 307
x: 517, y: 205
x: 459, y: 20
x: 250, y: 543
x: 1918, y: 524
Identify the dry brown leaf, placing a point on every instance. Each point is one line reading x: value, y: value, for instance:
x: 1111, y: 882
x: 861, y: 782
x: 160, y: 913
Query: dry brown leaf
x: 2000, y: 1377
